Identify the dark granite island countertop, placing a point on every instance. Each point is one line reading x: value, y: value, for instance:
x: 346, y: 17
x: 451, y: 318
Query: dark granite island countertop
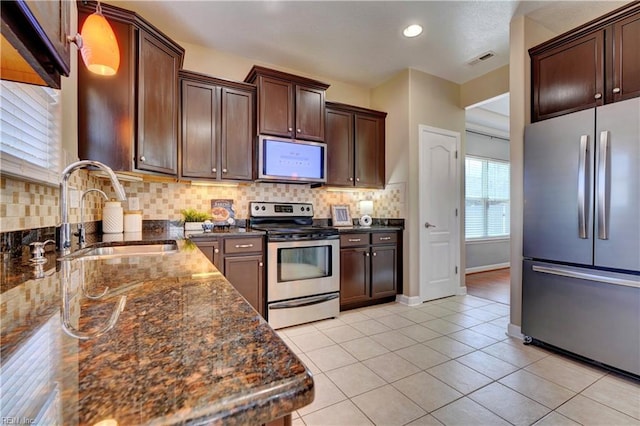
x: 186, y: 349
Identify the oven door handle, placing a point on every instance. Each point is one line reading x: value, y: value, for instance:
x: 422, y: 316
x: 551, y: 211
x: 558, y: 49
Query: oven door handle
x: 307, y: 301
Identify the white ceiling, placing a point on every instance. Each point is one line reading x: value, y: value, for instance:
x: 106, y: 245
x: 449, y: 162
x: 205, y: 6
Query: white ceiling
x: 360, y: 42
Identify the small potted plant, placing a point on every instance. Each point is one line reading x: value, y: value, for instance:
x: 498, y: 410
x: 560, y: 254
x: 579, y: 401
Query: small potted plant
x: 193, y: 219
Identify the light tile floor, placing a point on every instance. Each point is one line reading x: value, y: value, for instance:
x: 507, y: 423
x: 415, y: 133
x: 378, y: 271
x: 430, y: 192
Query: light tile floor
x: 449, y: 362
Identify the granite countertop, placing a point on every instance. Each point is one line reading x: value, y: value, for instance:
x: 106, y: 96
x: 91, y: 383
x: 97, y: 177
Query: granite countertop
x: 186, y: 347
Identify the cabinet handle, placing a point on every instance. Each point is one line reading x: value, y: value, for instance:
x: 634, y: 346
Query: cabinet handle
x: 214, y: 170
x: 375, y: 254
x: 366, y: 253
x: 216, y: 250
x: 616, y: 90
x: 290, y: 129
x: 598, y: 95
x: 357, y: 179
x: 244, y: 245
x: 354, y: 240
x: 350, y: 179
x: 261, y: 264
x: 385, y: 238
x: 299, y: 131
x: 224, y: 170
x: 143, y: 159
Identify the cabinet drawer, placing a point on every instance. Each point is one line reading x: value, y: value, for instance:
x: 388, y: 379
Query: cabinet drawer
x: 242, y: 245
x: 354, y: 240
x: 384, y: 238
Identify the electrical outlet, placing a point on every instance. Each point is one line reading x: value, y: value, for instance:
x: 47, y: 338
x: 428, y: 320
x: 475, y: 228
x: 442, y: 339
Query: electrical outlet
x: 74, y: 198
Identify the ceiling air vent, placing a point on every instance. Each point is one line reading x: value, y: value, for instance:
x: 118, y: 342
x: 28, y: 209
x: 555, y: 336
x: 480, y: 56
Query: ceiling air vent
x: 482, y: 57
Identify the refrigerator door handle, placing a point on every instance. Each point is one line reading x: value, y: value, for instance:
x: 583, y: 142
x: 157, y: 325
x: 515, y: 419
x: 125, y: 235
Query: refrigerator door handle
x: 603, y: 147
x: 585, y: 276
x: 582, y: 187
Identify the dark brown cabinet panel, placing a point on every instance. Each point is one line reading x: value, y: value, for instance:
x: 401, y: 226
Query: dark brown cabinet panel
x: 354, y: 275
x: 199, y: 115
x: 369, y: 268
x: 626, y: 58
x: 340, y: 150
x: 217, y: 118
x: 129, y: 121
x: 246, y: 274
x: 569, y: 78
x: 309, y: 113
x: 241, y: 261
x: 37, y: 51
x: 275, y: 108
x: 355, y: 146
x: 594, y: 64
x: 289, y: 106
x: 157, y: 106
x: 384, y: 271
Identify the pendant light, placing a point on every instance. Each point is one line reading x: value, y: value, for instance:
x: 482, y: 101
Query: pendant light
x: 98, y: 44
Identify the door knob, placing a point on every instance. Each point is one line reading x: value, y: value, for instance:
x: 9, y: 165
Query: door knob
x: 428, y: 225
x: 616, y: 90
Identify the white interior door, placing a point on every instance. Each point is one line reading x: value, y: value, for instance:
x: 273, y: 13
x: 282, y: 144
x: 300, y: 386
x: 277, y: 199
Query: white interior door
x: 439, y: 220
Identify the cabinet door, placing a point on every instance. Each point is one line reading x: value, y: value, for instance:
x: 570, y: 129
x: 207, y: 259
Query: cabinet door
x: 199, y: 136
x: 626, y: 65
x: 211, y: 249
x: 339, y: 138
x: 384, y: 269
x: 237, y: 134
x: 157, y: 106
x: 275, y: 112
x: 568, y: 78
x: 354, y: 275
x: 369, y: 152
x: 309, y: 113
x: 246, y: 274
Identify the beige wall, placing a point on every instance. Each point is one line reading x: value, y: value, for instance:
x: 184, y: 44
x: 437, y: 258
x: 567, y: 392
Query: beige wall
x: 485, y: 87
x: 413, y: 98
x: 233, y: 67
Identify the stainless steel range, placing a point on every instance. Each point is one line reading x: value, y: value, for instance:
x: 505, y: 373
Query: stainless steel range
x: 303, y: 263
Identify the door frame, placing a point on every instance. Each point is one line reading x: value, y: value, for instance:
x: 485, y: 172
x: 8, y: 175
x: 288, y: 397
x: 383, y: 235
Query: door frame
x: 422, y: 274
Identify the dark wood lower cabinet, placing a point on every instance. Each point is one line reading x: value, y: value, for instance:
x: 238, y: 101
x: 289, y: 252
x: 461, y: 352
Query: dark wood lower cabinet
x: 241, y: 261
x: 369, y: 268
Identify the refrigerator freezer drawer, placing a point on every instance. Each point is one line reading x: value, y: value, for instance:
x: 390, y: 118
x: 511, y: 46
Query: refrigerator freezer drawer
x: 569, y: 308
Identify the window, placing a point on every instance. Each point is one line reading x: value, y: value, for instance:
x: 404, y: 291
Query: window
x: 30, y: 125
x: 486, y: 198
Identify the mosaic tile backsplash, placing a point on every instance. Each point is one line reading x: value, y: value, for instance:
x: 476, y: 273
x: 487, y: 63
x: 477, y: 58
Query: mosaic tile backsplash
x: 25, y: 205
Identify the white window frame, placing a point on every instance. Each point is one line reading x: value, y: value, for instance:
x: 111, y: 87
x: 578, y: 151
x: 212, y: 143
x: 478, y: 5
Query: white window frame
x: 30, y: 132
x: 486, y: 201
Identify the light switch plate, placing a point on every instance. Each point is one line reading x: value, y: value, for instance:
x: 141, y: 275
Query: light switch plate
x: 134, y: 203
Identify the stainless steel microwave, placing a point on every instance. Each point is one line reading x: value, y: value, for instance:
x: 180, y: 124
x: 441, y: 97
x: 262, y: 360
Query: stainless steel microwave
x: 290, y: 160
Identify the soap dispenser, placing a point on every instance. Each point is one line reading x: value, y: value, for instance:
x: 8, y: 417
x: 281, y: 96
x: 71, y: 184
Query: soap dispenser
x: 112, y: 218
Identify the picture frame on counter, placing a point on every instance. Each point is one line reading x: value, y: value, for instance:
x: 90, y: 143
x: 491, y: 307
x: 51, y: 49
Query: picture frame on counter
x: 340, y: 215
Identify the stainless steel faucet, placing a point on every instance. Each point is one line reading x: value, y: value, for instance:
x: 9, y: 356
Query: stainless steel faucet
x: 65, y: 227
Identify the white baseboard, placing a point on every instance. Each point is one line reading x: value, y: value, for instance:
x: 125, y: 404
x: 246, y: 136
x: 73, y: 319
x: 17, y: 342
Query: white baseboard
x: 408, y: 300
x: 487, y: 268
x: 462, y: 290
x: 514, y: 331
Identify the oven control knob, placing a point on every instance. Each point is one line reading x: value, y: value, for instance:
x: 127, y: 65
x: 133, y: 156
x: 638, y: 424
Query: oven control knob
x: 302, y: 208
x: 256, y: 208
x: 263, y: 208
x: 308, y: 209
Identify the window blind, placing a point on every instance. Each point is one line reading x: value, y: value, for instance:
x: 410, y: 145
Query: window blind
x: 30, y: 132
x: 486, y: 198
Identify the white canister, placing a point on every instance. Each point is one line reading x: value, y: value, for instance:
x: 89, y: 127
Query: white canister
x: 112, y: 218
x: 133, y: 221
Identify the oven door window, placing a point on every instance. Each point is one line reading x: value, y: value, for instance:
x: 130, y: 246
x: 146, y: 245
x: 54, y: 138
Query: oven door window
x: 302, y: 263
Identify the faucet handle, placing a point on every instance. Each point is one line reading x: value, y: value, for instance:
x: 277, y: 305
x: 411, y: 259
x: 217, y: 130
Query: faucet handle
x: 37, y: 251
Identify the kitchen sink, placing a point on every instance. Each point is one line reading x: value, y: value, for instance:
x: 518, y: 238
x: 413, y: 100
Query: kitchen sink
x: 119, y: 249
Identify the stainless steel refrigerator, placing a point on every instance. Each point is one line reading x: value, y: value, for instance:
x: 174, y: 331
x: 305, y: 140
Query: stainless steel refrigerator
x: 581, y: 242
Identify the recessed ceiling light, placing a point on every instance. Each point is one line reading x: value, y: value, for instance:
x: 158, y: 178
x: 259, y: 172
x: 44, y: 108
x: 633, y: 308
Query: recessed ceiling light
x: 412, y: 30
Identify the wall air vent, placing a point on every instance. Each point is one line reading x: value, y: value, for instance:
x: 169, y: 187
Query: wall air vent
x: 482, y: 57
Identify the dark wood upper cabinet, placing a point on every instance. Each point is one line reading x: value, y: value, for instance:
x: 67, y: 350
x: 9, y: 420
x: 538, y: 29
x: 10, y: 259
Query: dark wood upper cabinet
x: 129, y: 121
x: 35, y: 49
x: 355, y: 146
x: 217, y: 128
x: 596, y: 63
x: 289, y: 106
